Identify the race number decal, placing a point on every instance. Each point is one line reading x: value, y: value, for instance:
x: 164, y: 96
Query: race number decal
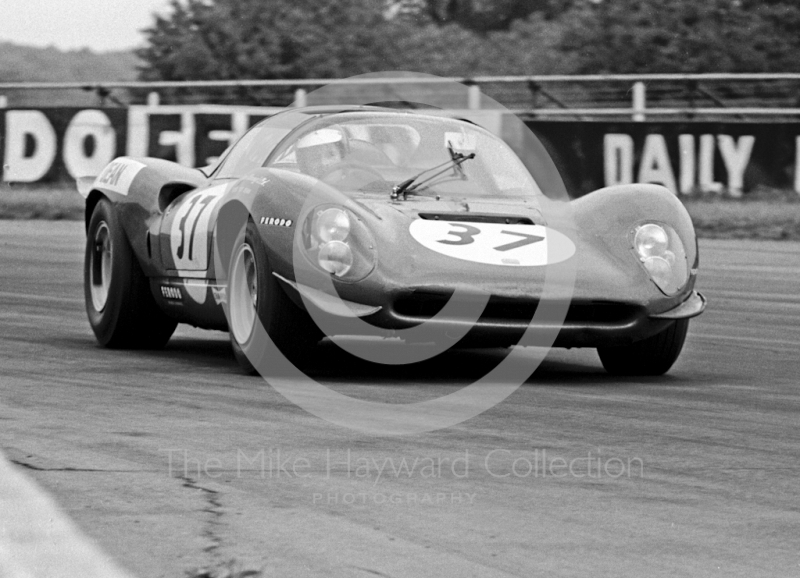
x: 189, y: 233
x: 494, y: 243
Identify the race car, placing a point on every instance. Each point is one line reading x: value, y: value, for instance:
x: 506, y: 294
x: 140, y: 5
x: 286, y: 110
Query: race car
x: 352, y: 220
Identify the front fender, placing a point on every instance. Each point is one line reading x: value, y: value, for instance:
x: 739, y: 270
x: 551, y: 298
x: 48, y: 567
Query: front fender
x: 608, y: 217
x: 612, y: 209
x: 278, y: 202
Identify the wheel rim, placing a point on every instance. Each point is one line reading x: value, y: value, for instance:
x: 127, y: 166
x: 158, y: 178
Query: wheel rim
x: 243, y: 290
x: 100, y: 267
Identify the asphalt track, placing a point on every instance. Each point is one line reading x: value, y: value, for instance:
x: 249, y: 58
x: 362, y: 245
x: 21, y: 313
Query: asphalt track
x: 692, y: 474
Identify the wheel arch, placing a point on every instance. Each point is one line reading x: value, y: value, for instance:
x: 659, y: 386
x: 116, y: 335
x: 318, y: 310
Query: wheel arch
x: 231, y: 215
x: 140, y: 252
x: 92, y: 199
x: 611, y: 211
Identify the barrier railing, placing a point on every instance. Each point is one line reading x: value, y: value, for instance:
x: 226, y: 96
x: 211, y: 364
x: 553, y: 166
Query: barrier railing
x: 635, y: 97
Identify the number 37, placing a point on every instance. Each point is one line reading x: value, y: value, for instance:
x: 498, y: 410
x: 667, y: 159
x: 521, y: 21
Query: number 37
x: 466, y: 234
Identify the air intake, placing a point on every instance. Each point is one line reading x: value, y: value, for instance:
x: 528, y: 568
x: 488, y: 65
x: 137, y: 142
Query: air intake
x: 477, y: 218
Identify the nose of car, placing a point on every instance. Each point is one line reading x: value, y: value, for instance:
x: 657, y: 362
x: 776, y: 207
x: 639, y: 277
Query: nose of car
x: 403, y: 262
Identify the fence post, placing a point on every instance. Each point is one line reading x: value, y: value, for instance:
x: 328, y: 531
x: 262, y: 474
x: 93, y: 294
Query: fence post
x: 153, y: 99
x: 300, y: 97
x: 3, y: 101
x: 474, y: 97
x: 639, y: 101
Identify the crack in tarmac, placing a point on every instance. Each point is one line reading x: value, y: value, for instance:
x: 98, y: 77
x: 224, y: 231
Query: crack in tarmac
x: 214, y: 508
x: 28, y: 466
x: 217, y: 562
x: 370, y: 571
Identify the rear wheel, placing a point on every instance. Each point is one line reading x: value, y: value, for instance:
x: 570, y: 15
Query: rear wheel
x: 254, y: 294
x: 651, y: 356
x: 120, y: 307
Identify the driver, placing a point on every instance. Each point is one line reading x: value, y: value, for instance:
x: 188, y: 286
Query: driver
x: 320, y: 151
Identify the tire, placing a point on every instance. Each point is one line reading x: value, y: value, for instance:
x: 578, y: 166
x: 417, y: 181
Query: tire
x: 254, y: 291
x: 122, y: 312
x: 652, y: 356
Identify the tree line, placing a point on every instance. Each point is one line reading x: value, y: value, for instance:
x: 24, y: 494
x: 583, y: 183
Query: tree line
x: 287, y: 39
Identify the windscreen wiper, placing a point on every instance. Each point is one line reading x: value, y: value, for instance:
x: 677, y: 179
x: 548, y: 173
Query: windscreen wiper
x: 457, y: 170
x: 408, y: 186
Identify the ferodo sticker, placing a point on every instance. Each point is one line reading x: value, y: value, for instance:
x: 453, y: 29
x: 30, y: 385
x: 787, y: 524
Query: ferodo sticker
x: 118, y: 175
x: 171, y: 293
x: 494, y: 243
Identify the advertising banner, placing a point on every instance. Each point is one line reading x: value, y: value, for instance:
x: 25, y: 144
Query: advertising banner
x: 57, y: 144
x: 62, y: 144
x: 686, y: 157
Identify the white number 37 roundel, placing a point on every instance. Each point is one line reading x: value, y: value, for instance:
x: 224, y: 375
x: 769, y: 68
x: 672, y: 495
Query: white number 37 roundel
x: 494, y: 243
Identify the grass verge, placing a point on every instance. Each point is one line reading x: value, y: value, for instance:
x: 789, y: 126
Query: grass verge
x: 762, y: 214
x: 51, y: 203
x: 746, y: 220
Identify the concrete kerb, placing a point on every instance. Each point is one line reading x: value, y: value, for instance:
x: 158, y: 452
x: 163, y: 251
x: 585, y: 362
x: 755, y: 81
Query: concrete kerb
x: 38, y: 540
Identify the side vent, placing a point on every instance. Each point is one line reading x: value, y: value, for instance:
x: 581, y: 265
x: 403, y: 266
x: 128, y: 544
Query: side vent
x: 170, y: 192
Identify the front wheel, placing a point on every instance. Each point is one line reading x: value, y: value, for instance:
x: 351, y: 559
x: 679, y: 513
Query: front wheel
x: 651, y: 356
x: 254, y: 294
x: 120, y: 307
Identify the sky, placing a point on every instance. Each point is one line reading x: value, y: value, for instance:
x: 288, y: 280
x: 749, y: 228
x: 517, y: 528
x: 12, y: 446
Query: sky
x: 100, y: 25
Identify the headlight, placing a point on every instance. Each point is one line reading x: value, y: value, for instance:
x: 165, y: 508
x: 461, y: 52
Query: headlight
x: 332, y: 225
x: 651, y: 240
x: 662, y: 255
x: 336, y: 257
x: 338, y: 242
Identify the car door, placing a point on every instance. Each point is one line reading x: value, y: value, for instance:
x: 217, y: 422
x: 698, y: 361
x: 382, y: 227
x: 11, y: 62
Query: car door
x: 188, y: 224
x: 187, y: 227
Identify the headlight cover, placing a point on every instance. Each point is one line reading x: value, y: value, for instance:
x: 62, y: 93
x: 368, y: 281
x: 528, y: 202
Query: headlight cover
x: 663, y: 256
x: 332, y: 224
x: 335, y: 257
x: 338, y: 242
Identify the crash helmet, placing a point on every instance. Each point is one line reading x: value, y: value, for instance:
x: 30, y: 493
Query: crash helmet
x: 319, y: 151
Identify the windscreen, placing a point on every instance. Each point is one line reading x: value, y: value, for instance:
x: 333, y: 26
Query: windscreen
x: 375, y: 152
